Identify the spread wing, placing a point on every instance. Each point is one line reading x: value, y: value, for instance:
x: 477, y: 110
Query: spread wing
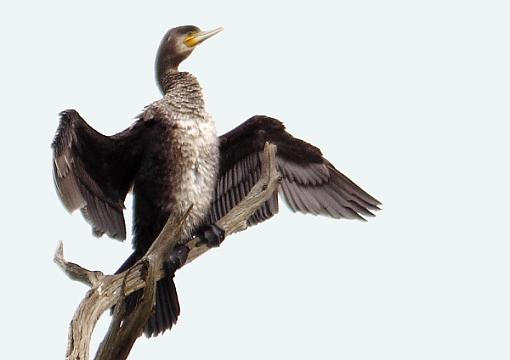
x: 94, y: 172
x: 310, y: 183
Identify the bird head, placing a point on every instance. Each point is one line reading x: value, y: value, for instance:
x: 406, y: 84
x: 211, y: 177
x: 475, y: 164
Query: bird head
x: 177, y: 44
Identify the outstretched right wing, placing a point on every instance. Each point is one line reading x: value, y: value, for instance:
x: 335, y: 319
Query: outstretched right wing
x: 94, y: 172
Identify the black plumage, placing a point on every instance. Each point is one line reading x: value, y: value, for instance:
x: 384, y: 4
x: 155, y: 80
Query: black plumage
x: 94, y: 173
x: 310, y: 183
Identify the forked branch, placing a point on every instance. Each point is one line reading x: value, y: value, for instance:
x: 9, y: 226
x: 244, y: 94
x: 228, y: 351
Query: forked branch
x: 109, y: 290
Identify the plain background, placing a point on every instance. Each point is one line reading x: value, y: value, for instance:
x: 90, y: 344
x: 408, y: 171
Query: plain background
x: 408, y: 98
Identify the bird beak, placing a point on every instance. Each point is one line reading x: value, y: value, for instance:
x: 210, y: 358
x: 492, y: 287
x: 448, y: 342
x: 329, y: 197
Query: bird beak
x: 199, y: 37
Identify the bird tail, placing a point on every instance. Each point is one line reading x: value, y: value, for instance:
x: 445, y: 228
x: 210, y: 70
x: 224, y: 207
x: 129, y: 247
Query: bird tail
x: 167, y: 307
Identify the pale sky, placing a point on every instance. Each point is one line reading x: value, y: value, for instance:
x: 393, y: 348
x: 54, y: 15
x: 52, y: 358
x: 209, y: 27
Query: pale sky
x: 408, y: 99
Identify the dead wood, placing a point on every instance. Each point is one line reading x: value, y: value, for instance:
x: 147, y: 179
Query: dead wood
x: 109, y: 290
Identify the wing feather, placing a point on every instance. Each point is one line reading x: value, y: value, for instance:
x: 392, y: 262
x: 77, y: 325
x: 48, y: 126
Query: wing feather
x: 310, y: 183
x: 93, y: 172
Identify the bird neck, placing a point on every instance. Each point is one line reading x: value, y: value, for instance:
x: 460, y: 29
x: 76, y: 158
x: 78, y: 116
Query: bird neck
x: 167, y: 64
x: 181, y: 87
x: 172, y: 78
x: 165, y: 78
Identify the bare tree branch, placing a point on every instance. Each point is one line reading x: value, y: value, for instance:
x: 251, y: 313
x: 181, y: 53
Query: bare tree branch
x: 109, y: 290
x: 75, y: 271
x: 124, y: 331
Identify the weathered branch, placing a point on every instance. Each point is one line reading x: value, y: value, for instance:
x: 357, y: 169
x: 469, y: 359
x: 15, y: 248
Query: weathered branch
x: 124, y: 331
x: 75, y: 271
x: 109, y: 290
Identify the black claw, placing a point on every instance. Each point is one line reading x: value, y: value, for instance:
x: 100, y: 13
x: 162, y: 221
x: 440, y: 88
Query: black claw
x: 212, y: 235
x: 177, y: 259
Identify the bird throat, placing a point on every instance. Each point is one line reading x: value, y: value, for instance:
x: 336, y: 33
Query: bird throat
x: 180, y: 82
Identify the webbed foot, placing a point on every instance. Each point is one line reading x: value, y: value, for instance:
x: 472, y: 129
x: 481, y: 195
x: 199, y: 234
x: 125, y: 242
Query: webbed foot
x: 212, y: 235
x: 176, y: 260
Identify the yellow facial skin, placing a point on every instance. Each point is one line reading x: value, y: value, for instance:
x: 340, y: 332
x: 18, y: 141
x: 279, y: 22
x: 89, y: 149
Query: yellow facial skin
x: 198, y: 37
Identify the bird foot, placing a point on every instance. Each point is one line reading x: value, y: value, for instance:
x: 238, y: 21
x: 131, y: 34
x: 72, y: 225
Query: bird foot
x: 177, y: 259
x: 212, y: 235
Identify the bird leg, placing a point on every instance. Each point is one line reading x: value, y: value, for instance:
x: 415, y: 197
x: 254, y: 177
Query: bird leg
x: 211, y: 234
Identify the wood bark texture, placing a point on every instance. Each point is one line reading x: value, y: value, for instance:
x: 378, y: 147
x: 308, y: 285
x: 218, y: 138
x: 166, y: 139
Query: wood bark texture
x: 109, y: 290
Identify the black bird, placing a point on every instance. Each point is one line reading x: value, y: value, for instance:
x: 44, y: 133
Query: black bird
x: 171, y: 158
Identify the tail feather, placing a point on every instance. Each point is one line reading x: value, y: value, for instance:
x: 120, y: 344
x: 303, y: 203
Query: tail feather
x: 167, y: 309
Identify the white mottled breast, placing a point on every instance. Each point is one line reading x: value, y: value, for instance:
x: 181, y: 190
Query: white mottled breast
x: 194, y: 166
x: 190, y: 168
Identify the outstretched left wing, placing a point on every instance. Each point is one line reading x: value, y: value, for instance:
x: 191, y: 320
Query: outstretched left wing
x: 310, y: 183
x: 94, y: 172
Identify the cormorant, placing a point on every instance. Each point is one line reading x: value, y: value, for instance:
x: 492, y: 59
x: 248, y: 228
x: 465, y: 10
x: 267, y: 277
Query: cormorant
x: 171, y: 158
